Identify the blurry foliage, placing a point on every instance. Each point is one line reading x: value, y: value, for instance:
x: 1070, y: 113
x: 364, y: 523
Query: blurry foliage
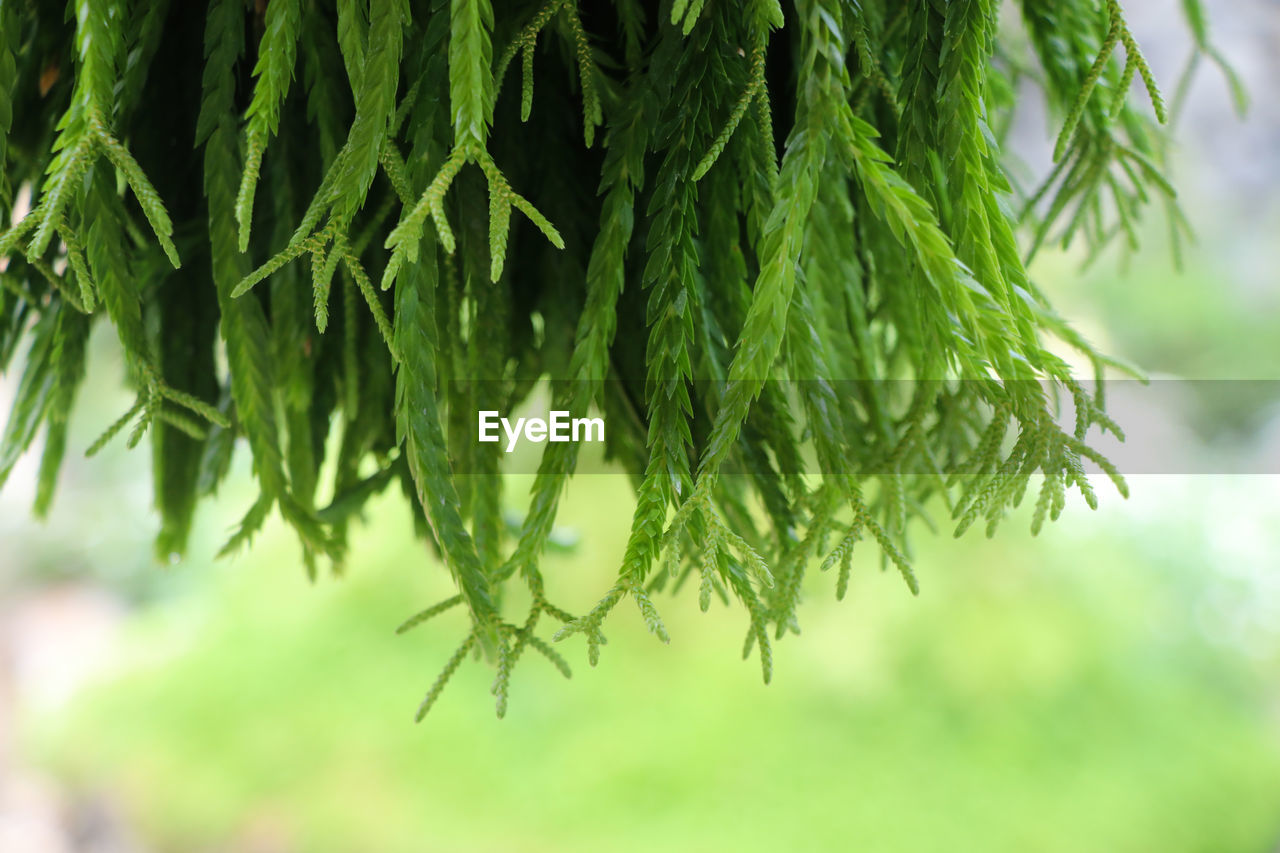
x: 1086, y: 705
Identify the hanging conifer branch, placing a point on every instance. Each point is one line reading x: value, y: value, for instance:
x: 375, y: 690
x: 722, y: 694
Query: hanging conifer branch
x: 274, y: 72
x: 785, y: 205
x: 526, y: 41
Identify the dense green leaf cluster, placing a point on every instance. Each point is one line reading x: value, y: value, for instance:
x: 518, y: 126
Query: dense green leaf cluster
x: 789, y: 195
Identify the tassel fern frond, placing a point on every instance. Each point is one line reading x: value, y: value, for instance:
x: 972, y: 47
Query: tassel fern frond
x: 742, y: 225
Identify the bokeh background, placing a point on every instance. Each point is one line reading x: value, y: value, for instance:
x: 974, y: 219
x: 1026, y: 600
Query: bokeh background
x: 1111, y: 685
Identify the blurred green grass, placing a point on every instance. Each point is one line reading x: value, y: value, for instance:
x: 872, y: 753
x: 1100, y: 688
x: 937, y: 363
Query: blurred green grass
x: 1063, y: 694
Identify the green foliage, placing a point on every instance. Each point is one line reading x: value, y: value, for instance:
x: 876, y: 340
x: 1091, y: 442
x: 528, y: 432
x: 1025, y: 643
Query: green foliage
x: 801, y: 202
x: 1004, y: 705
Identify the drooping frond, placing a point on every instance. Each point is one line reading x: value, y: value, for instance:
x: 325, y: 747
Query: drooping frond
x: 773, y: 246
